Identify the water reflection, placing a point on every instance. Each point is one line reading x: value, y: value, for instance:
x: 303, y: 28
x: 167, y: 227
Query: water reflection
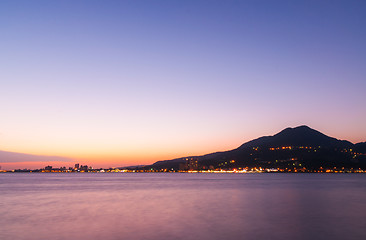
x: 182, y: 206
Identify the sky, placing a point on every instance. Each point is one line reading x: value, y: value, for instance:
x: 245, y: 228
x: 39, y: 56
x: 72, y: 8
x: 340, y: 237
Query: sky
x: 118, y: 83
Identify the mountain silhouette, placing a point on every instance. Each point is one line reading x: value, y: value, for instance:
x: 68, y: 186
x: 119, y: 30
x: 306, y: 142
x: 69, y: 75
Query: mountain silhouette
x: 308, y: 146
x: 298, y: 136
x: 360, y: 147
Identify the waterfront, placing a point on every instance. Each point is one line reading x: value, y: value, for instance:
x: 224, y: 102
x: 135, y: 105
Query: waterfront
x: 182, y: 206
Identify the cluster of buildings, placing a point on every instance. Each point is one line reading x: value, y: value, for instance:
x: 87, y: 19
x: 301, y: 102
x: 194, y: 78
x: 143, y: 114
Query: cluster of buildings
x: 76, y: 168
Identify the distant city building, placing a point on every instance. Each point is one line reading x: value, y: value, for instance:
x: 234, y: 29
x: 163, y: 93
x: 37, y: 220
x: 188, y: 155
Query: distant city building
x: 84, y: 168
x: 48, y: 168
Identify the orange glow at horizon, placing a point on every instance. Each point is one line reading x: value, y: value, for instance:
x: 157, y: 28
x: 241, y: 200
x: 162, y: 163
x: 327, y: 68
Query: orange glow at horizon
x: 99, y: 154
x: 105, y: 156
x: 106, y: 160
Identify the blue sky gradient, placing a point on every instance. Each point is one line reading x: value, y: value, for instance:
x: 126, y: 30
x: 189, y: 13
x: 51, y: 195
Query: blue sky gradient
x: 138, y: 81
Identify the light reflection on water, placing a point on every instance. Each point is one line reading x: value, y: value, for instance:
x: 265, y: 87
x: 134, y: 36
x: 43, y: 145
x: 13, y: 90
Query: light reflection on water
x: 182, y: 206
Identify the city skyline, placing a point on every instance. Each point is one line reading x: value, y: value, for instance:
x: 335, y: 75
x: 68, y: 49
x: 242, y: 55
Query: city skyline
x: 112, y: 84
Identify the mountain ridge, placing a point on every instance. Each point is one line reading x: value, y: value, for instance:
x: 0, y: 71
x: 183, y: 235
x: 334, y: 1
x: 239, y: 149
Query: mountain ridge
x: 301, y: 135
x: 256, y: 152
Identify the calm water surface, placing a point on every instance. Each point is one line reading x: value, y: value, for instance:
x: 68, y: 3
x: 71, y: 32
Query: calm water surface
x: 113, y: 206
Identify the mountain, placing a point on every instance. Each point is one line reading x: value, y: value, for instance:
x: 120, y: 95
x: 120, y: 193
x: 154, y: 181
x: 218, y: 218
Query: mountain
x: 360, y: 147
x: 292, y: 147
x: 298, y: 136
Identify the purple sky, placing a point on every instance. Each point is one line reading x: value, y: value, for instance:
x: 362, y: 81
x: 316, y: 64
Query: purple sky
x: 123, y: 82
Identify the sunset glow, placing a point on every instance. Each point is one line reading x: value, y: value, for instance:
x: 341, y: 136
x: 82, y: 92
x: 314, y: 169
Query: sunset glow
x: 120, y: 83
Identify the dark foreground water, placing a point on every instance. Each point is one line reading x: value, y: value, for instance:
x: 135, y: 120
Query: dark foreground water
x: 182, y: 206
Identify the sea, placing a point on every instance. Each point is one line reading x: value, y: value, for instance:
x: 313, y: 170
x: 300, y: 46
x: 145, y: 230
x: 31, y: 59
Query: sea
x: 204, y: 206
